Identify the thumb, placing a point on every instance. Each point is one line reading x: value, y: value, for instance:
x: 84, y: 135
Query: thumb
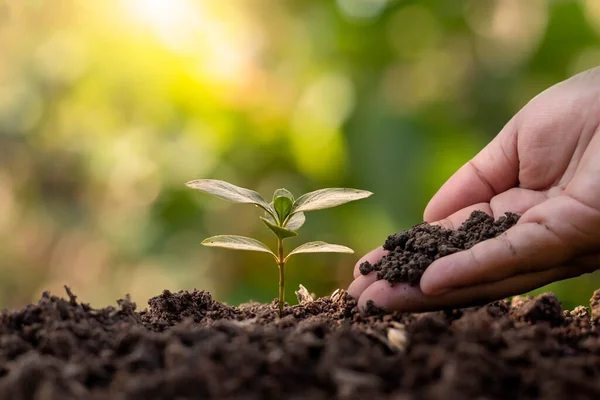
x: 494, y: 170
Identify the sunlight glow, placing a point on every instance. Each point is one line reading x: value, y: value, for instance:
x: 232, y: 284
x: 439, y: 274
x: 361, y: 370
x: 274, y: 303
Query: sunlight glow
x: 161, y: 13
x: 219, y: 48
x: 174, y: 21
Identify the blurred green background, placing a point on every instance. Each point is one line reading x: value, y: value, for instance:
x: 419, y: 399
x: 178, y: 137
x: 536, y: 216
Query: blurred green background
x: 108, y: 107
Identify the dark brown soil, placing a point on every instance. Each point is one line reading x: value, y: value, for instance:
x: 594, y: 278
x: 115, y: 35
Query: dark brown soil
x: 412, y: 251
x: 188, y: 346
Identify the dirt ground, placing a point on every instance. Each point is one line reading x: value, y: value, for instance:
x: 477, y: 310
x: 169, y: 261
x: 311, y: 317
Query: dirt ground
x: 188, y: 346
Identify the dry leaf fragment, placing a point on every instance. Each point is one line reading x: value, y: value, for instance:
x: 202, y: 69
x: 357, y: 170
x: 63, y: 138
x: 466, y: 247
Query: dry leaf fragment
x: 397, y: 337
x: 303, y: 295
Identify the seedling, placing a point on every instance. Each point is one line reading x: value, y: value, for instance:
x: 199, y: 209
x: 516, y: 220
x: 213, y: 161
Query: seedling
x: 283, y: 216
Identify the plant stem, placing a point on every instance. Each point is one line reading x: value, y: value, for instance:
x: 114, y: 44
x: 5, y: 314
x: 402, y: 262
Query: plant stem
x: 281, y: 265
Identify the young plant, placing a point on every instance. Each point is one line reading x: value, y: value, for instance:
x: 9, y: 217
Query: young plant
x: 284, y: 215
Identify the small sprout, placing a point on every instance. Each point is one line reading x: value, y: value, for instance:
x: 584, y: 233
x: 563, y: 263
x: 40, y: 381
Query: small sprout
x: 284, y: 216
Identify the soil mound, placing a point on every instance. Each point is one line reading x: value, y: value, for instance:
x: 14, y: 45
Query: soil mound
x: 412, y: 251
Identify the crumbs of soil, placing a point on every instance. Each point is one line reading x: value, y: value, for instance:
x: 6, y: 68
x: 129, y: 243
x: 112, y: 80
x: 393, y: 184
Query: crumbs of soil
x: 189, y: 346
x: 412, y: 251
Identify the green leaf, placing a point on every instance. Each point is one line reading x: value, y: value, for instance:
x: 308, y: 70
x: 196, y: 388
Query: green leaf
x: 327, y: 198
x: 320, y: 247
x: 282, y: 202
x: 235, y: 242
x: 283, y: 206
x: 296, y: 221
x: 280, y: 232
x: 227, y: 191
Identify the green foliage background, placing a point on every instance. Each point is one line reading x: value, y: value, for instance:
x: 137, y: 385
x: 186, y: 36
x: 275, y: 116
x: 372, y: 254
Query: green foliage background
x: 108, y: 107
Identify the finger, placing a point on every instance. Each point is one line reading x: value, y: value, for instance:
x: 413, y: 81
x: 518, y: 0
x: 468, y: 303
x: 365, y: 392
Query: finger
x: 404, y: 298
x: 516, y: 200
x: 360, y: 284
x: 494, y: 170
x: 372, y: 257
x: 539, y: 241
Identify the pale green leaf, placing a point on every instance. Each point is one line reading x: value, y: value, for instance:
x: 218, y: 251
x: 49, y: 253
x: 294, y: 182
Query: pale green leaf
x: 235, y: 242
x: 280, y: 232
x: 327, y: 198
x: 270, y: 218
x: 320, y: 247
x: 283, y: 192
x: 296, y: 221
x: 228, y: 191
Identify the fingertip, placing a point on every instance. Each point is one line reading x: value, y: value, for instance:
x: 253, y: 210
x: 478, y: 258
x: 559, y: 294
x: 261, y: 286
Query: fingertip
x: 437, y: 278
x: 428, y: 284
x: 432, y: 211
x: 374, y: 293
x: 400, y: 297
x: 360, y: 284
x: 372, y: 257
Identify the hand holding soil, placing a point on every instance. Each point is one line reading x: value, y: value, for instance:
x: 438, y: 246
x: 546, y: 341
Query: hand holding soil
x: 544, y: 166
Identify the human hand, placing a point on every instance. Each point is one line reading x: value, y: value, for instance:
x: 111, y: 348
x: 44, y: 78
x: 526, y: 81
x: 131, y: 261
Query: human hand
x: 545, y: 165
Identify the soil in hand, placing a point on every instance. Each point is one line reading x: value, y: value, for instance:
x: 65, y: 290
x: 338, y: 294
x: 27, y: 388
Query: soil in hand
x: 412, y: 251
x: 188, y: 346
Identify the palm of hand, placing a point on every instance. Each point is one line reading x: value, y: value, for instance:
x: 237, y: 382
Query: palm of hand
x: 545, y: 165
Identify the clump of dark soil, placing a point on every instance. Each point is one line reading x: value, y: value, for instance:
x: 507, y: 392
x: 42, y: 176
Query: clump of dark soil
x: 188, y: 346
x: 412, y: 251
